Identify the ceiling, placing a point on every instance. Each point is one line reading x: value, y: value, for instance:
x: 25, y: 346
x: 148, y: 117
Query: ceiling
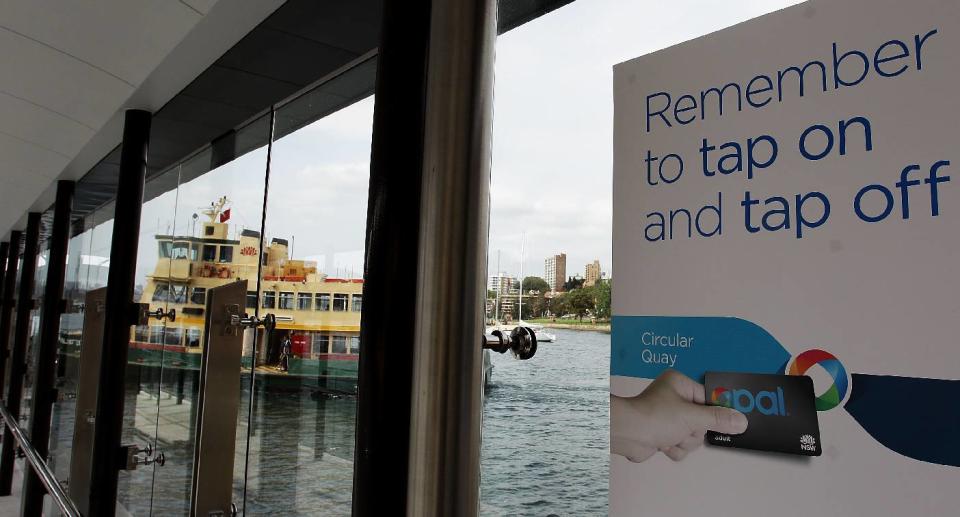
x: 204, y: 67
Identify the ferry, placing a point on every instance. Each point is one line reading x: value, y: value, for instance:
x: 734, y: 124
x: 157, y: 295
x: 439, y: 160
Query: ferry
x: 320, y: 314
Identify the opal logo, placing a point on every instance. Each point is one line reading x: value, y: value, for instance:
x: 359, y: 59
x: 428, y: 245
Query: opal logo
x: 745, y: 401
x: 832, y: 397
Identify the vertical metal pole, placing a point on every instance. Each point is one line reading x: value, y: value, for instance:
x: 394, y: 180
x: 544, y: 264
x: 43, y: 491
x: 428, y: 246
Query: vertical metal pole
x: 455, y: 204
x: 385, y: 369
x: 118, y: 316
x: 21, y: 332
x: 44, y: 393
x: 6, y: 308
x: 4, y: 248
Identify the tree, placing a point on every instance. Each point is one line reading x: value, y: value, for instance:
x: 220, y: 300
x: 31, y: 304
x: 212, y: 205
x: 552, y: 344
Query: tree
x: 581, y: 302
x: 535, y: 283
x: 558, y: 305
x: 573, y: 283
x: 602, y: 292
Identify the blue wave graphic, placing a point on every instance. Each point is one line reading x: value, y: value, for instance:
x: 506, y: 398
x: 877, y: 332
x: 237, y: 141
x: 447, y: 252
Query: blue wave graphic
x: 918, y: 418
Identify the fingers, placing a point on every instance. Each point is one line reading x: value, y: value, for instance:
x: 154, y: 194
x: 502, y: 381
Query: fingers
x: 717, y: 418
x: 691, y: 442
x: 688, y: 389
x: 675, y: 453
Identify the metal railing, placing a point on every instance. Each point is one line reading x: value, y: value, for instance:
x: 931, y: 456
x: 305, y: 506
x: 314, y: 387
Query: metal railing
x: 64, y: 503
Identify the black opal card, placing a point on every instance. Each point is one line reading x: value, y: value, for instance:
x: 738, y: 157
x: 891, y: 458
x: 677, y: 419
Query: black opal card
x: 780, y: 410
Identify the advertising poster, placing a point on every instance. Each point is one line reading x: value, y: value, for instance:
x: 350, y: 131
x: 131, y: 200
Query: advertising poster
x: 787, y: 202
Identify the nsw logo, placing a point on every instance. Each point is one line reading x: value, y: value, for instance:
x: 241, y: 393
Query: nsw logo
x: 769, y: 403
x: 808, y: 443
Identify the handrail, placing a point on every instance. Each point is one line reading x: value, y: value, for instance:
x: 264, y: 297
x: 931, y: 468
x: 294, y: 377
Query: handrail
x: 66, y: 505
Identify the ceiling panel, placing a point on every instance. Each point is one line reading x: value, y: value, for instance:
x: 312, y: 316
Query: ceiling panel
x: 130, y: 36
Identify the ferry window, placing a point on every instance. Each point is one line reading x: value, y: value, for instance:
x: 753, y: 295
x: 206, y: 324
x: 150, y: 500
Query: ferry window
x: 321, y: 343
x: 304, y: 301
x: 194, y: 252
x: 251, y: 299
x: 161, y: 292
x: 142, y: 334
x: 172, y: 336
x: 208, y: 230
x: 357, y: 304
x: 226, y: 253
x: 209, y: 253
x: 323, y: 302
x: 286, y: 301
x: 165, y: 248
x: 269, y: 300
x: 199, y: 295
x: 339, y: 302
x: 156, y: 334
x: 339, y: 344
x: 179, y: 293
x: 181, y: 250
x: 193, y: 337
x: 354, y: 344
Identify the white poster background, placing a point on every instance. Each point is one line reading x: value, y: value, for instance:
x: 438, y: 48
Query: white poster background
x: 883, y: 297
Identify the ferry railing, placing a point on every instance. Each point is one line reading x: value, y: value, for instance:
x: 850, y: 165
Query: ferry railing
x: 64, y: 503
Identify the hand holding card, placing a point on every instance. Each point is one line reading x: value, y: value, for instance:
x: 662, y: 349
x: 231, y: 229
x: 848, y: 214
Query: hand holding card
x: 669, y: 416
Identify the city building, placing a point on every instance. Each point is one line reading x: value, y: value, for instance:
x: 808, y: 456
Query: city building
x: 555, y: 271
x: 593, y: 274
x: 501, y: 283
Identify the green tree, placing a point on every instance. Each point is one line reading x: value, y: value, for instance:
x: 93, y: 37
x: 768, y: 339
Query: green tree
x: 581, y: 302
x: 602, y: 293
x: 558, y: 305
x: 535, y: 283
x: 573, y: 283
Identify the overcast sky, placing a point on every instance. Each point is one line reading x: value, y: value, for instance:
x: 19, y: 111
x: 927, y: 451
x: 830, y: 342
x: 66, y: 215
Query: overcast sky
x: 552, y: 146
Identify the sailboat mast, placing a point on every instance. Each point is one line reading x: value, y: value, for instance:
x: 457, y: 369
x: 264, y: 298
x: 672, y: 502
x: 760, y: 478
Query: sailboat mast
x: 496, y: 312
x: 523, y: 240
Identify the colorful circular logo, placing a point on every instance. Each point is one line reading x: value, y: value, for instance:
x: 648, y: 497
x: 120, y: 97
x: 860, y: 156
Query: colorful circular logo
x: 721, y: 397
x: 832, y: 397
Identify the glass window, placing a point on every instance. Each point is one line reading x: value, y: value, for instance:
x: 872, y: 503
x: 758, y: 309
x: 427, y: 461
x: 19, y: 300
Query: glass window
x: 286, y: 300
x: 323, y: 302
x: 199, y: 296
x: 209, y: 253
x: 173, y: 336
x: 269, y: 300
x: 165, y: 248
x: 304, y: 301
x: 251, y: 299
x: 194, y: 251
x: 193, y: 337
x: 321, y: 343
x: 357, y: 303
x: 339, y: 345
x: 156, y: 334
x: 161, y: 292
x: 339, y: 302
x: 354, y: 344
x: 181, y: 250
x: 178, y: 293
x: 226, y: 254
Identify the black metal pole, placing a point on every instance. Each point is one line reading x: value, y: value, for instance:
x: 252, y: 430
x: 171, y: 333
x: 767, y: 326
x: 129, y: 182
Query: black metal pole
x: 6, y: 308
x: 21, y: 333
x: 385, y: 370
x: 118, y: 316
x: 44, y: 393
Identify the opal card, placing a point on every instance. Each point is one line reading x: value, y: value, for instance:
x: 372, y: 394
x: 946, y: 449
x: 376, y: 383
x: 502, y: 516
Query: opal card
x: 780, y: 410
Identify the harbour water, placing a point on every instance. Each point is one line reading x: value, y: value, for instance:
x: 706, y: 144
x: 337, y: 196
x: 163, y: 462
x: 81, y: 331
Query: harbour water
x: 545, y: 439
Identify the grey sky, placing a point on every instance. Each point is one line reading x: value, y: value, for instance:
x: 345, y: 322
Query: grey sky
x: 552, y: 149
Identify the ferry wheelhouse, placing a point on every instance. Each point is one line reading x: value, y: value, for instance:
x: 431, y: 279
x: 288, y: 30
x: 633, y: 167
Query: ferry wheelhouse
x: 320, y: 315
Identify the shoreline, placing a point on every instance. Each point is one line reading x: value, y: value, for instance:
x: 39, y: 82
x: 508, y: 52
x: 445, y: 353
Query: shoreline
x: 594, y: 327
